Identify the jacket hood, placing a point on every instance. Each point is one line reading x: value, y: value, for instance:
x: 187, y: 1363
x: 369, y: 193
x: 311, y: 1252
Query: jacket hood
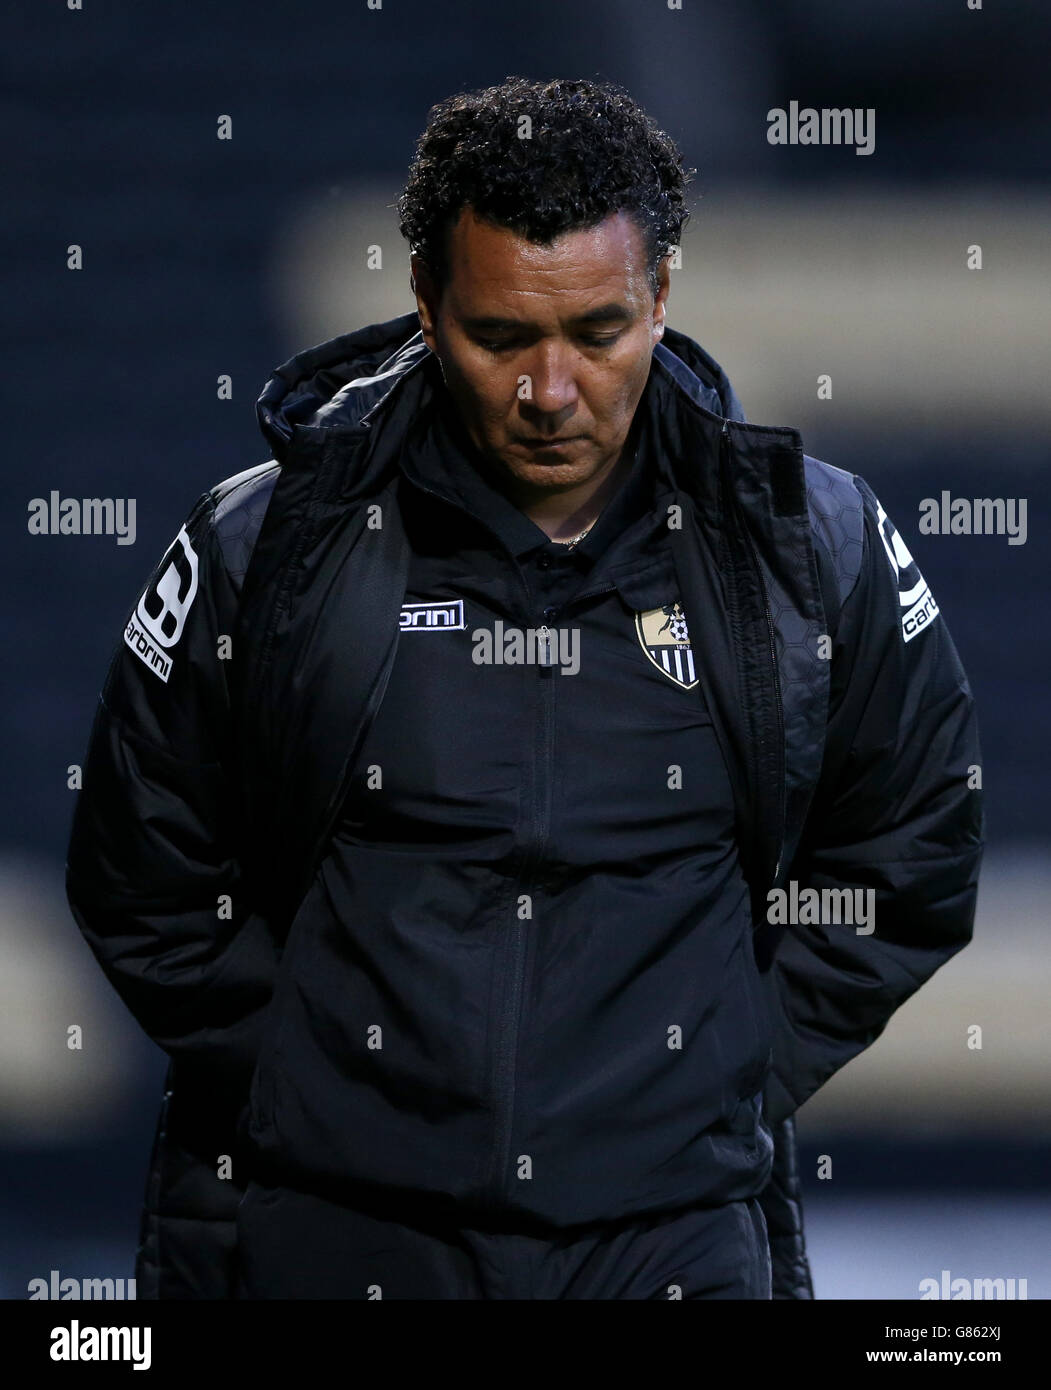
x: 341, y: 383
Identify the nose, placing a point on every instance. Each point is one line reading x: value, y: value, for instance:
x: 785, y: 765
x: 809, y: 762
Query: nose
x: 552, y: 382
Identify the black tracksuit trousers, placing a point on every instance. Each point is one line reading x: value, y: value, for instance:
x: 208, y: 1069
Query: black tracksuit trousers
x: 295, y: 1245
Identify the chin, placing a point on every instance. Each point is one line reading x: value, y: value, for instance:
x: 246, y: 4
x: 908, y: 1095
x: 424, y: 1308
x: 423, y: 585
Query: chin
x: 551, y: 471
x: 549, y: 474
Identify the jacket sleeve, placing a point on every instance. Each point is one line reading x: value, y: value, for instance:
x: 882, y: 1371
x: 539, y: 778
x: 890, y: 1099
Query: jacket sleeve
x: 152, y: 874
x: 897, y: 811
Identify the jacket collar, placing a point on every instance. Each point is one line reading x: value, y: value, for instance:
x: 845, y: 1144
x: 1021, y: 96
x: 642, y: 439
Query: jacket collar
x: 343, y: 382
x: 345, y: 391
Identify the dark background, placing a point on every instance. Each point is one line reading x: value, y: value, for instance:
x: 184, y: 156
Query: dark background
x: 193, y: 252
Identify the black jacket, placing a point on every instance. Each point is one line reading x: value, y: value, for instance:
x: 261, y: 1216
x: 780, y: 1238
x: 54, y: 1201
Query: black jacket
x: 255, y: 660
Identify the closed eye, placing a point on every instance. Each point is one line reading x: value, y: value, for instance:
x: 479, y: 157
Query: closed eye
x: 506, y: 344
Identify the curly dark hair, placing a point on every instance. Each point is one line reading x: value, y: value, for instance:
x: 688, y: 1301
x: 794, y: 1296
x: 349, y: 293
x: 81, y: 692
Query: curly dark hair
x: 592, y: 151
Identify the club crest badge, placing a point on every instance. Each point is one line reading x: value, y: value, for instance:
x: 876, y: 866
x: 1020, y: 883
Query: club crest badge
x: 665, y: 638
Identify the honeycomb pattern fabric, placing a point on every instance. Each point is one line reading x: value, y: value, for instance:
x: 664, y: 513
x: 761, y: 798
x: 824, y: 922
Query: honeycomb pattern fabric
x: 241, y: 504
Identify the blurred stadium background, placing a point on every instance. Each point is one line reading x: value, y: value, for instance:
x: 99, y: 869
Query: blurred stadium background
x: 205, y: 257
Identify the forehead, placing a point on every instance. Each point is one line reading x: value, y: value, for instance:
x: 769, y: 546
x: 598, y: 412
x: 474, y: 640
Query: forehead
x: 494, y: 265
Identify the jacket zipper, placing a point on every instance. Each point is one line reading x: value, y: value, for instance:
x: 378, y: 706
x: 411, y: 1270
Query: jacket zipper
x: 507, y: 1060
x: 507, y: 1067
x: 771, y: 652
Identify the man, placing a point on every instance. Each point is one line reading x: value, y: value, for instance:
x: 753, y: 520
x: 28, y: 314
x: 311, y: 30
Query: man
x: 456, y: 791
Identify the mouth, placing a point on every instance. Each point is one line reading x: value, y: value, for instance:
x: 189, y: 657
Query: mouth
x: 559, y: 443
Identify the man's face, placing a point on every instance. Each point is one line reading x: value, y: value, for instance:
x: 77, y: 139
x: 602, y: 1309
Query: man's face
x: 544, y: 343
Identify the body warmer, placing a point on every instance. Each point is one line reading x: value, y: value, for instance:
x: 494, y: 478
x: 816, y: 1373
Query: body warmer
x: 268, y: 924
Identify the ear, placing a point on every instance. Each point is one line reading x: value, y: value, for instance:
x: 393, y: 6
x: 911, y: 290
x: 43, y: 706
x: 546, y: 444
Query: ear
x: 661, y: 298
x: 423, y: 287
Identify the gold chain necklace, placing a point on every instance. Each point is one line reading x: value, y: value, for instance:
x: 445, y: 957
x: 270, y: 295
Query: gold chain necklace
x: 576, y: 539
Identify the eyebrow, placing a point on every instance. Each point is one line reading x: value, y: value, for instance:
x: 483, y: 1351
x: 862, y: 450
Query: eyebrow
x: 605, y: 313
